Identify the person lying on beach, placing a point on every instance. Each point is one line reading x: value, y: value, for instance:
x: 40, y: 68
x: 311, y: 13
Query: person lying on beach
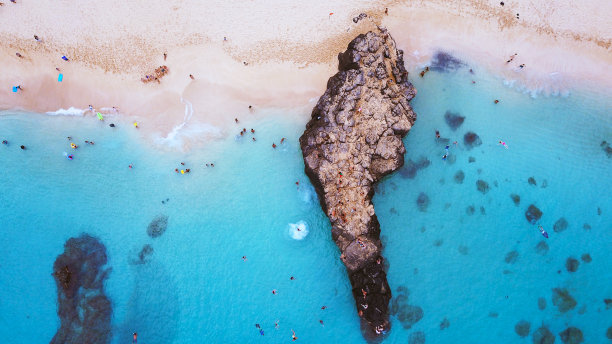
x: 19, y: 55
x: 511, y: 58
x: 191, y: 76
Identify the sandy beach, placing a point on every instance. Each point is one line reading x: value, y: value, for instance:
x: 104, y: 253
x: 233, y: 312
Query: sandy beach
x: 275, y: 54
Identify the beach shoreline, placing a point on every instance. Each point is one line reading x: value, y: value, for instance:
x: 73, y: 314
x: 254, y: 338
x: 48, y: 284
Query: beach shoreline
x: 282, y: 66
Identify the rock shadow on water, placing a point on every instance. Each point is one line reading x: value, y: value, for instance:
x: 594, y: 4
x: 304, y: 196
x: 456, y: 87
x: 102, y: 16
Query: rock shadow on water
x: 410, y: 168
x: 453, y: 120
x: 445, y: 62
x: 83, y: 308
x: 153, y: 307
x: 158, y: 226
x: 407, y: 314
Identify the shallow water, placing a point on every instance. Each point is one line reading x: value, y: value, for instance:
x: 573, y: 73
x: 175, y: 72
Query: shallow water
x: 196, y: 287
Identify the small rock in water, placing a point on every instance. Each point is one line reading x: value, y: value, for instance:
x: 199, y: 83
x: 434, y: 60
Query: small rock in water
x: 571, y: 264
x: 609, y: 332
x: 516, y: 199
x: 532, y: 181
x: 482, y: 186
x: 470, y: 210
x: 586, y: 258
x: 444, y: 324
x: 483, y: 211
x: 542, y: 248
x: 438, y: 242
x: 608, y: 303
x: 563, y: 300
x: 464, y: 250
x: 560, y: 225
x: 417, y: 337
x: 422, y: 202
x: 158, y: 226
x: 453, y: 120
x: 471, y: 140
x: 533, y: 214
x: 471, y: 159
x: 571, y: 335
x: 543, y: 336
x: 511, y: 257
x: 586, y: 227
x: 493, y: 314
x: 522, y: 328
x: 542, y: 303
x: 459, y: 176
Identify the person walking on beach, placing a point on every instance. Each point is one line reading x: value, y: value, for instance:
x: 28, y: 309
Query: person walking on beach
x: 165, y: 56
x: 19, y: 55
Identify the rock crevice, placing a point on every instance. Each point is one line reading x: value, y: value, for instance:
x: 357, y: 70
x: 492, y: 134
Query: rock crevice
x: 353, y: 139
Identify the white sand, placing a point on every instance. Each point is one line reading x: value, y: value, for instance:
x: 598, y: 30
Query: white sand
x: 290, y: 47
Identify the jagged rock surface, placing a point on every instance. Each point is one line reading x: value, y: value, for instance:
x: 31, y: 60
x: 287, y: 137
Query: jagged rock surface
x: 83, y: 308
x: 353, y: 139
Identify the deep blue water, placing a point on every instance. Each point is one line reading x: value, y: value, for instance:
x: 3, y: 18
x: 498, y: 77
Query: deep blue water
x: 450, y: 262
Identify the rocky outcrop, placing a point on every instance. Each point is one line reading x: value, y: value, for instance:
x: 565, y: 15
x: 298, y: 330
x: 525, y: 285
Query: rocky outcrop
x: 83, y: 309
x: 353, y: 139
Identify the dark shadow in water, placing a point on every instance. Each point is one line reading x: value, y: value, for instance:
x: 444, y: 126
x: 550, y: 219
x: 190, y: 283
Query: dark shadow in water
x: 522, y: 328
x: 417, y: 337
x: 158, y: 226
x: 153, y: 308
x: 543, y: 336
x: 453, y: 119
x: 410, y: 168
x: 83, y: 309
x: 407, y: 314
x: 445, y: 62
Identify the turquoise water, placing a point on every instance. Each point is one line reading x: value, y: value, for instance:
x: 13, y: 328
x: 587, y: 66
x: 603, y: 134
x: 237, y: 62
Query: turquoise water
x: 196, y: 287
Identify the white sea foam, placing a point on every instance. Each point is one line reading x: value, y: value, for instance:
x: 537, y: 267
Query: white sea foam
x: 72, y: 111
x: 179, y: 132
x: 298, y: 231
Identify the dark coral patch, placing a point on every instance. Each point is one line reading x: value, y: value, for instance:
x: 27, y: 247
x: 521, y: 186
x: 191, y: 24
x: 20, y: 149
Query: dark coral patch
x: 533, y: 214
x: 422, y: 202
x: 542, y: 248
x: 563, y: 300
x: 522, y: 328
x: 482, y: 186
x: 511, y: 257
x: 541, y: 303
x: 516, y: 199
x: 417, y: 337
x: 571, y: 335
x: 586, y: 258
x: 572, y: 264
x: 158, y: 226
x: 453, y: 120
x: 560, y: 225
x: 532, y: 181
x: 543, y: 336
x: 471, y: 140
x: 459, y: 176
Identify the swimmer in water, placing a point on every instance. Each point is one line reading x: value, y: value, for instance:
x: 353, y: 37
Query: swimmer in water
x: 292, y: 278
x: 4, y: 142
x: 323, y: 307
x: 244, y: 258
x: 274, y: 291
x: 321, y: 321
x: 135, y: 340
x: 293, y: 336
x: 276, y: 324
x: 437, y: 134
x: 503, y: 144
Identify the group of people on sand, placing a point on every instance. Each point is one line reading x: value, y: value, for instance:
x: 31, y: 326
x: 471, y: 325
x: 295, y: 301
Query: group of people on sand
x: 159, y: 73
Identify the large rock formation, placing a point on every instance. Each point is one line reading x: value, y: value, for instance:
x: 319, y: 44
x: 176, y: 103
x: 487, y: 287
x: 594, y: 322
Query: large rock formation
x: 83, y: 309
x: 353, y: 139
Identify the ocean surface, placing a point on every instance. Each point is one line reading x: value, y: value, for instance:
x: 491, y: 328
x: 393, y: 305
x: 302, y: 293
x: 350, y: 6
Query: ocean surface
x: 465, y: 265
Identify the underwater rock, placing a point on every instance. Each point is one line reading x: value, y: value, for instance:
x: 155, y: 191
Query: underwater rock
x: 353, y: 139
x: 483, y: 211
x: 158, y: 226
x: 522, y: 328
x: 409, y: 315
x: 422, y: 202
x: 606, y: 148
x: 586, y: 258
x: 145, y: 254
x: 608, y: 303
x: 543, y: 336
x: 471, y: 140
x: 586, y: 227
x: 511, y: 257
x: 471, y: 159
x: 542, y: 248
x: 459, y: 176
x: 571, y: 335
x: 417, y: 337
x: 445, y: 62
x: 516, y: 199
x: 444, y: 324
x: 560, y: 225
x: 533, y: 214
x: 411, y: 168
x: 532, y: 181
x: 438, y: 242
x: 571, y: 264
x: 563, y: 300
x: 541, y: 303
x: 609, y: 332
x: 470, y: 210
x: 482, y: 186
x: 464, y: 250
x: 359, y: 17
x: 453, y: 120
x: 83, y: 308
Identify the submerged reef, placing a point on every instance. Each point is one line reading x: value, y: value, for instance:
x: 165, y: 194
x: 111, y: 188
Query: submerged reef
x: 543, y: 336
x: 158, y: 226
x: 353, y: 139
x: 563, y: 300
x: 533, y: 214
x: 445, y: 62
x: 471, y: 140
x: 453, y: 120
x: 571, y: 335
x: 83, y: 309
x: 522, y: 328
x: 411, y: 168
